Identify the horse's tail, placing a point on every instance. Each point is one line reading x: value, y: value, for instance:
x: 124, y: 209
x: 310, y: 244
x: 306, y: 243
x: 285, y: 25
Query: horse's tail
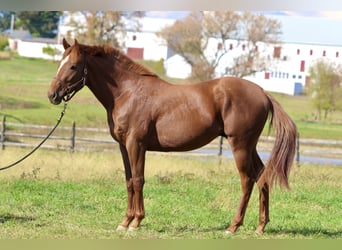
x: 278, y: 167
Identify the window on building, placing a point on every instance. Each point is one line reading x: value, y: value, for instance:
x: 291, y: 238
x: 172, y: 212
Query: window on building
x: 298, y: 51
x: 267, y: 75
x: 311, y: 52
x: 324, y: 53
x: 337, y: 54
x: 302, y: 66
x: 276, y: 52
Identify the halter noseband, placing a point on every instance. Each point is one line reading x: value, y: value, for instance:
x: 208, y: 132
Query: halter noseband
x: 70, y: 89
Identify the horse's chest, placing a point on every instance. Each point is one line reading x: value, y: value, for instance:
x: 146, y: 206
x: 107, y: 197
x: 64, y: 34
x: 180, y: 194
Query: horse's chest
x: 131, y: 118
x: 119, y: 134
x: 128, y: 127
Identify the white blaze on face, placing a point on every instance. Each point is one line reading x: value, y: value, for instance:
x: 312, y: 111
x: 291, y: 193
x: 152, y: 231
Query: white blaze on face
x: 64, y: 61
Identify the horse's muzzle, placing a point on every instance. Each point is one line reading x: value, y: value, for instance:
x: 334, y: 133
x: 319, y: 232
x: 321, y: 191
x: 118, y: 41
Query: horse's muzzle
x: 55, y: 98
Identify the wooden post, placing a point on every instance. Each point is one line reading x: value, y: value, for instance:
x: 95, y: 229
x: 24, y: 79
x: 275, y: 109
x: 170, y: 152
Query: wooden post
x: 220, y: 150
x: 220, y: 145
x: 297, y: 151
x: 73, y: 135
x: 3, y: 131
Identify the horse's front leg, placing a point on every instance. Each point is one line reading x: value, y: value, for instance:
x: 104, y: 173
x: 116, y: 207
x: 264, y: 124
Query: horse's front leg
x: 136, y: 160
x: 130, y: 192
x: 138, y: 202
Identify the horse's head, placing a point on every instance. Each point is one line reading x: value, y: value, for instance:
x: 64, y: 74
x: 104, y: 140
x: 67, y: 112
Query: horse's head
x: 71, y: 74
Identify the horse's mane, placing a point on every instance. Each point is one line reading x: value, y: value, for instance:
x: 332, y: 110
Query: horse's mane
x: 105, y: 50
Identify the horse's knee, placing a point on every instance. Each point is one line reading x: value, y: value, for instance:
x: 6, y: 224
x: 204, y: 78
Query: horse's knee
x: 138, y: 183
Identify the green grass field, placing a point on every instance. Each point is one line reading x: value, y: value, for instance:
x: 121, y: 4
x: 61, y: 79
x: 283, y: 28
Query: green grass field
x: 83, y: 196
x: 63, y: 195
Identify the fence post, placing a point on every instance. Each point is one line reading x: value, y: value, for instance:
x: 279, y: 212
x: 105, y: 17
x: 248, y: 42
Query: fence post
x: 220, y: 145
x: 297, y: 151
x: 73, y: 135
x: 3, y: 131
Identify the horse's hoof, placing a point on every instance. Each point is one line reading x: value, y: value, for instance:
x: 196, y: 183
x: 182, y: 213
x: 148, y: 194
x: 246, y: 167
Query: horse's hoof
x: 259, y: 232
x: 121, y: 228
x: 133, y: 229
x: 228, y: 233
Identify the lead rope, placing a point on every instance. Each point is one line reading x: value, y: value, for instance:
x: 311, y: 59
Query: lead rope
x: 41, y: 143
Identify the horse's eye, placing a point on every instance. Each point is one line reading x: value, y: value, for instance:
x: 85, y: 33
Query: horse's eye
x: 73, y: 67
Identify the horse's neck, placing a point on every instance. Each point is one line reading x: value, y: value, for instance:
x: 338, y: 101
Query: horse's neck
x: 107, y: 85
x: 100, y: 87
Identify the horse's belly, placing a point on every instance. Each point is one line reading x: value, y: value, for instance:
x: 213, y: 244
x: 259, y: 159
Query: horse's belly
x: 182, y: 139
x: 167, y: 146
x: 188, y: 125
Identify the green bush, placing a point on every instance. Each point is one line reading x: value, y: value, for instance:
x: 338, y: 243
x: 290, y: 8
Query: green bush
x: 3, y: 42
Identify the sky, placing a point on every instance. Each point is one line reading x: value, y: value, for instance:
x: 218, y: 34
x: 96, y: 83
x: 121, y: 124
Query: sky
x: 307, y: 27
x: 321, y: 28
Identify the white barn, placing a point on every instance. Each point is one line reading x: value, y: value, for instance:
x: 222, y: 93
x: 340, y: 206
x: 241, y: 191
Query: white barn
x: 34, y: 48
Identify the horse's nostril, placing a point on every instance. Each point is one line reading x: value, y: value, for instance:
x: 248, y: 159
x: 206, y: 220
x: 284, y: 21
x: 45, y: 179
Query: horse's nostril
x: 54, y: 96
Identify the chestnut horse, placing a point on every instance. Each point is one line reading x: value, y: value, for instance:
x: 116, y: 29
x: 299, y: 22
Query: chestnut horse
x: 145, y: 112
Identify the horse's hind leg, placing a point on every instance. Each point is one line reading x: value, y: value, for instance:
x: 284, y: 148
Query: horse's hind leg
x: 249, y: 166
x: 263, y: 209
x: 263, y: 195
x: 243, y: 159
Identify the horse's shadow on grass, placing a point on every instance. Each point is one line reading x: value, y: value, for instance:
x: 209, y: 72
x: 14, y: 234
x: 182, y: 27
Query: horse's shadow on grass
x: 15, y: 218
x: 307, y: 232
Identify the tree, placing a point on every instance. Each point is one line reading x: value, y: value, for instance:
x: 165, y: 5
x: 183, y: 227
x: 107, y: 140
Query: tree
x: 325, y: 87
x: 39, y: 23
x: 5, y: 20
x: 103, y: 27
x: 255, y: 33
x: 185, y: 38
x: 194, y: 36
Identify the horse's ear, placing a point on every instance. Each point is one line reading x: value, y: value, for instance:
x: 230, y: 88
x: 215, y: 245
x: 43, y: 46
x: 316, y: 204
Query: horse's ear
x: 65, y: 44
x: 76, y: 44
